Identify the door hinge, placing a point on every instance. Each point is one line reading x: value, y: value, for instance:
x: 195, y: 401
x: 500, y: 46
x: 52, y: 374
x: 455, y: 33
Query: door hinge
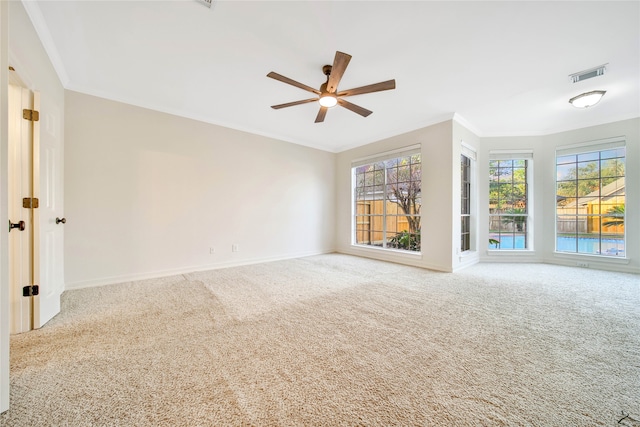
x: 31, y: 115
x: 30, y: 203
x: 30, y: 291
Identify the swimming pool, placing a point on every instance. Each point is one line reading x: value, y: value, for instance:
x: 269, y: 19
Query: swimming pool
x: 589, y: 245
x: 571, y: 244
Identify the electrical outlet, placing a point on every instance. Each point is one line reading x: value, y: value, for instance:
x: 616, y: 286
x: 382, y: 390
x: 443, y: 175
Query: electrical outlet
x: 212, y: 251
x: 235, y: 248
x: 583, y: 264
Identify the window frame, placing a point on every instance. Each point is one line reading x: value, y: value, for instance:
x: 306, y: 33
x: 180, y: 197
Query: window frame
x: 589, y: 150
x: 385, y: 215
x: 510, y: 156
x: 465, y: 203
x: 467, y: 200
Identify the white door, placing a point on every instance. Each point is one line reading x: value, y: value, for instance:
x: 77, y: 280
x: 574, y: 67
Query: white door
x: 49, y: 217
x: 35, y: 173
x: 20, y: 219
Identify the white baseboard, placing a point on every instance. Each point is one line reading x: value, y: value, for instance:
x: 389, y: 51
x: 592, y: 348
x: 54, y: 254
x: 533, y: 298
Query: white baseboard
x: 111, y: 280
x: 596, y: 263
x: 415, y: 261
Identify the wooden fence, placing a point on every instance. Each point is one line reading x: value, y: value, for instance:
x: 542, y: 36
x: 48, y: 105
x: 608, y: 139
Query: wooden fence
x: 370, y: 221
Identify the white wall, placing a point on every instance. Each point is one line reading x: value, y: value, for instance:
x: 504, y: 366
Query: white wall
x: 544, y: 194
x: 437, y: 197
x: 148, y: 194
x: 21, y: 49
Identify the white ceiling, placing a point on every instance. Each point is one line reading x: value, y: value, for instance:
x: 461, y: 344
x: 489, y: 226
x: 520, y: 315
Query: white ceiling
x: 501, y: 67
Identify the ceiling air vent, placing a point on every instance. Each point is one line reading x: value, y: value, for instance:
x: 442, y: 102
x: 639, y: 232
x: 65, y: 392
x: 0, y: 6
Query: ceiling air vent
x: 587, y: 74
x: 205, y: 2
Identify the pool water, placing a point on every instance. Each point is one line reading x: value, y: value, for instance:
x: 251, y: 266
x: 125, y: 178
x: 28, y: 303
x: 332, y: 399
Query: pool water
x: 585, y: 245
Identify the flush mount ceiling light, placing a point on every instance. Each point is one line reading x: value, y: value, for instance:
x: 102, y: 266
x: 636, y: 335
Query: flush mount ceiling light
x: 587, y: 99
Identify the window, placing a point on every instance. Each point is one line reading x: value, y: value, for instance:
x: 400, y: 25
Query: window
x: 509, y: 201
x: 465, y: 203
x: 387, y: 201
x: 590, y: 199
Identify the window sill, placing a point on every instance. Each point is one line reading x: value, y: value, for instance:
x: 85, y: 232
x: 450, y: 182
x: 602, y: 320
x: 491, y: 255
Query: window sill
x: 592, y: 258
x: 468, y: 253
x: 511, y: 252
x: 388, y: 251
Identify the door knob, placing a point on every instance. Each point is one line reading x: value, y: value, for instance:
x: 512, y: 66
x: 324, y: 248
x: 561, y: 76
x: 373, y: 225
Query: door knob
x: 20, y: 225
x: 61, y: 220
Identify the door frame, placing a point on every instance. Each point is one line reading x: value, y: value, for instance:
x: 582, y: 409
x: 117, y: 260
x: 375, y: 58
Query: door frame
x: 4, y: 218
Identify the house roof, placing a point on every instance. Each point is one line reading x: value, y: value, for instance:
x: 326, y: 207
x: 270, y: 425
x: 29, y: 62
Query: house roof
x: 500, y: 68
x: 614, y: 188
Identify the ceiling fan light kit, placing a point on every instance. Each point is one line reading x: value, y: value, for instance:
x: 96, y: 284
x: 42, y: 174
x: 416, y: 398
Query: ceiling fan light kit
x: 328, y: 95
x: 328, y: 100
x: 587, y: 99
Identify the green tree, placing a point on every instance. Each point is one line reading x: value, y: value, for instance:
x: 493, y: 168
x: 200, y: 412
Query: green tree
x: 585, y: 178
x: 507, y: 185
x: 617, y: 215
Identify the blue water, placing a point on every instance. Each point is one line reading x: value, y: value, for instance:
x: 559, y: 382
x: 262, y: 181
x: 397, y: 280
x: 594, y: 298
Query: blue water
x: 585, y: 245
x: 506, y: 242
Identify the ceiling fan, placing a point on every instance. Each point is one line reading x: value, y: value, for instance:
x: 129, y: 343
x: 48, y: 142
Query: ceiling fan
x: 328, y: 95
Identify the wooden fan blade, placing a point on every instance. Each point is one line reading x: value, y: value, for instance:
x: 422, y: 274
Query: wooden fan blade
x: 321, y: 114
x: 340, y: 63
x: 287, y: 80
x: 355, y: 108
x: 291, y: 104
x: 376, y: 87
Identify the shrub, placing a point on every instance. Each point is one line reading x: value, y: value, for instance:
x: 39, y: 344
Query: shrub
x: 406, y: 240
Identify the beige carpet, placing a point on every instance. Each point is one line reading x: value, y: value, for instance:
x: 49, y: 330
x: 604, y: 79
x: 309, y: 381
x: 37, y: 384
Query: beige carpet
x: 338, y: 340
